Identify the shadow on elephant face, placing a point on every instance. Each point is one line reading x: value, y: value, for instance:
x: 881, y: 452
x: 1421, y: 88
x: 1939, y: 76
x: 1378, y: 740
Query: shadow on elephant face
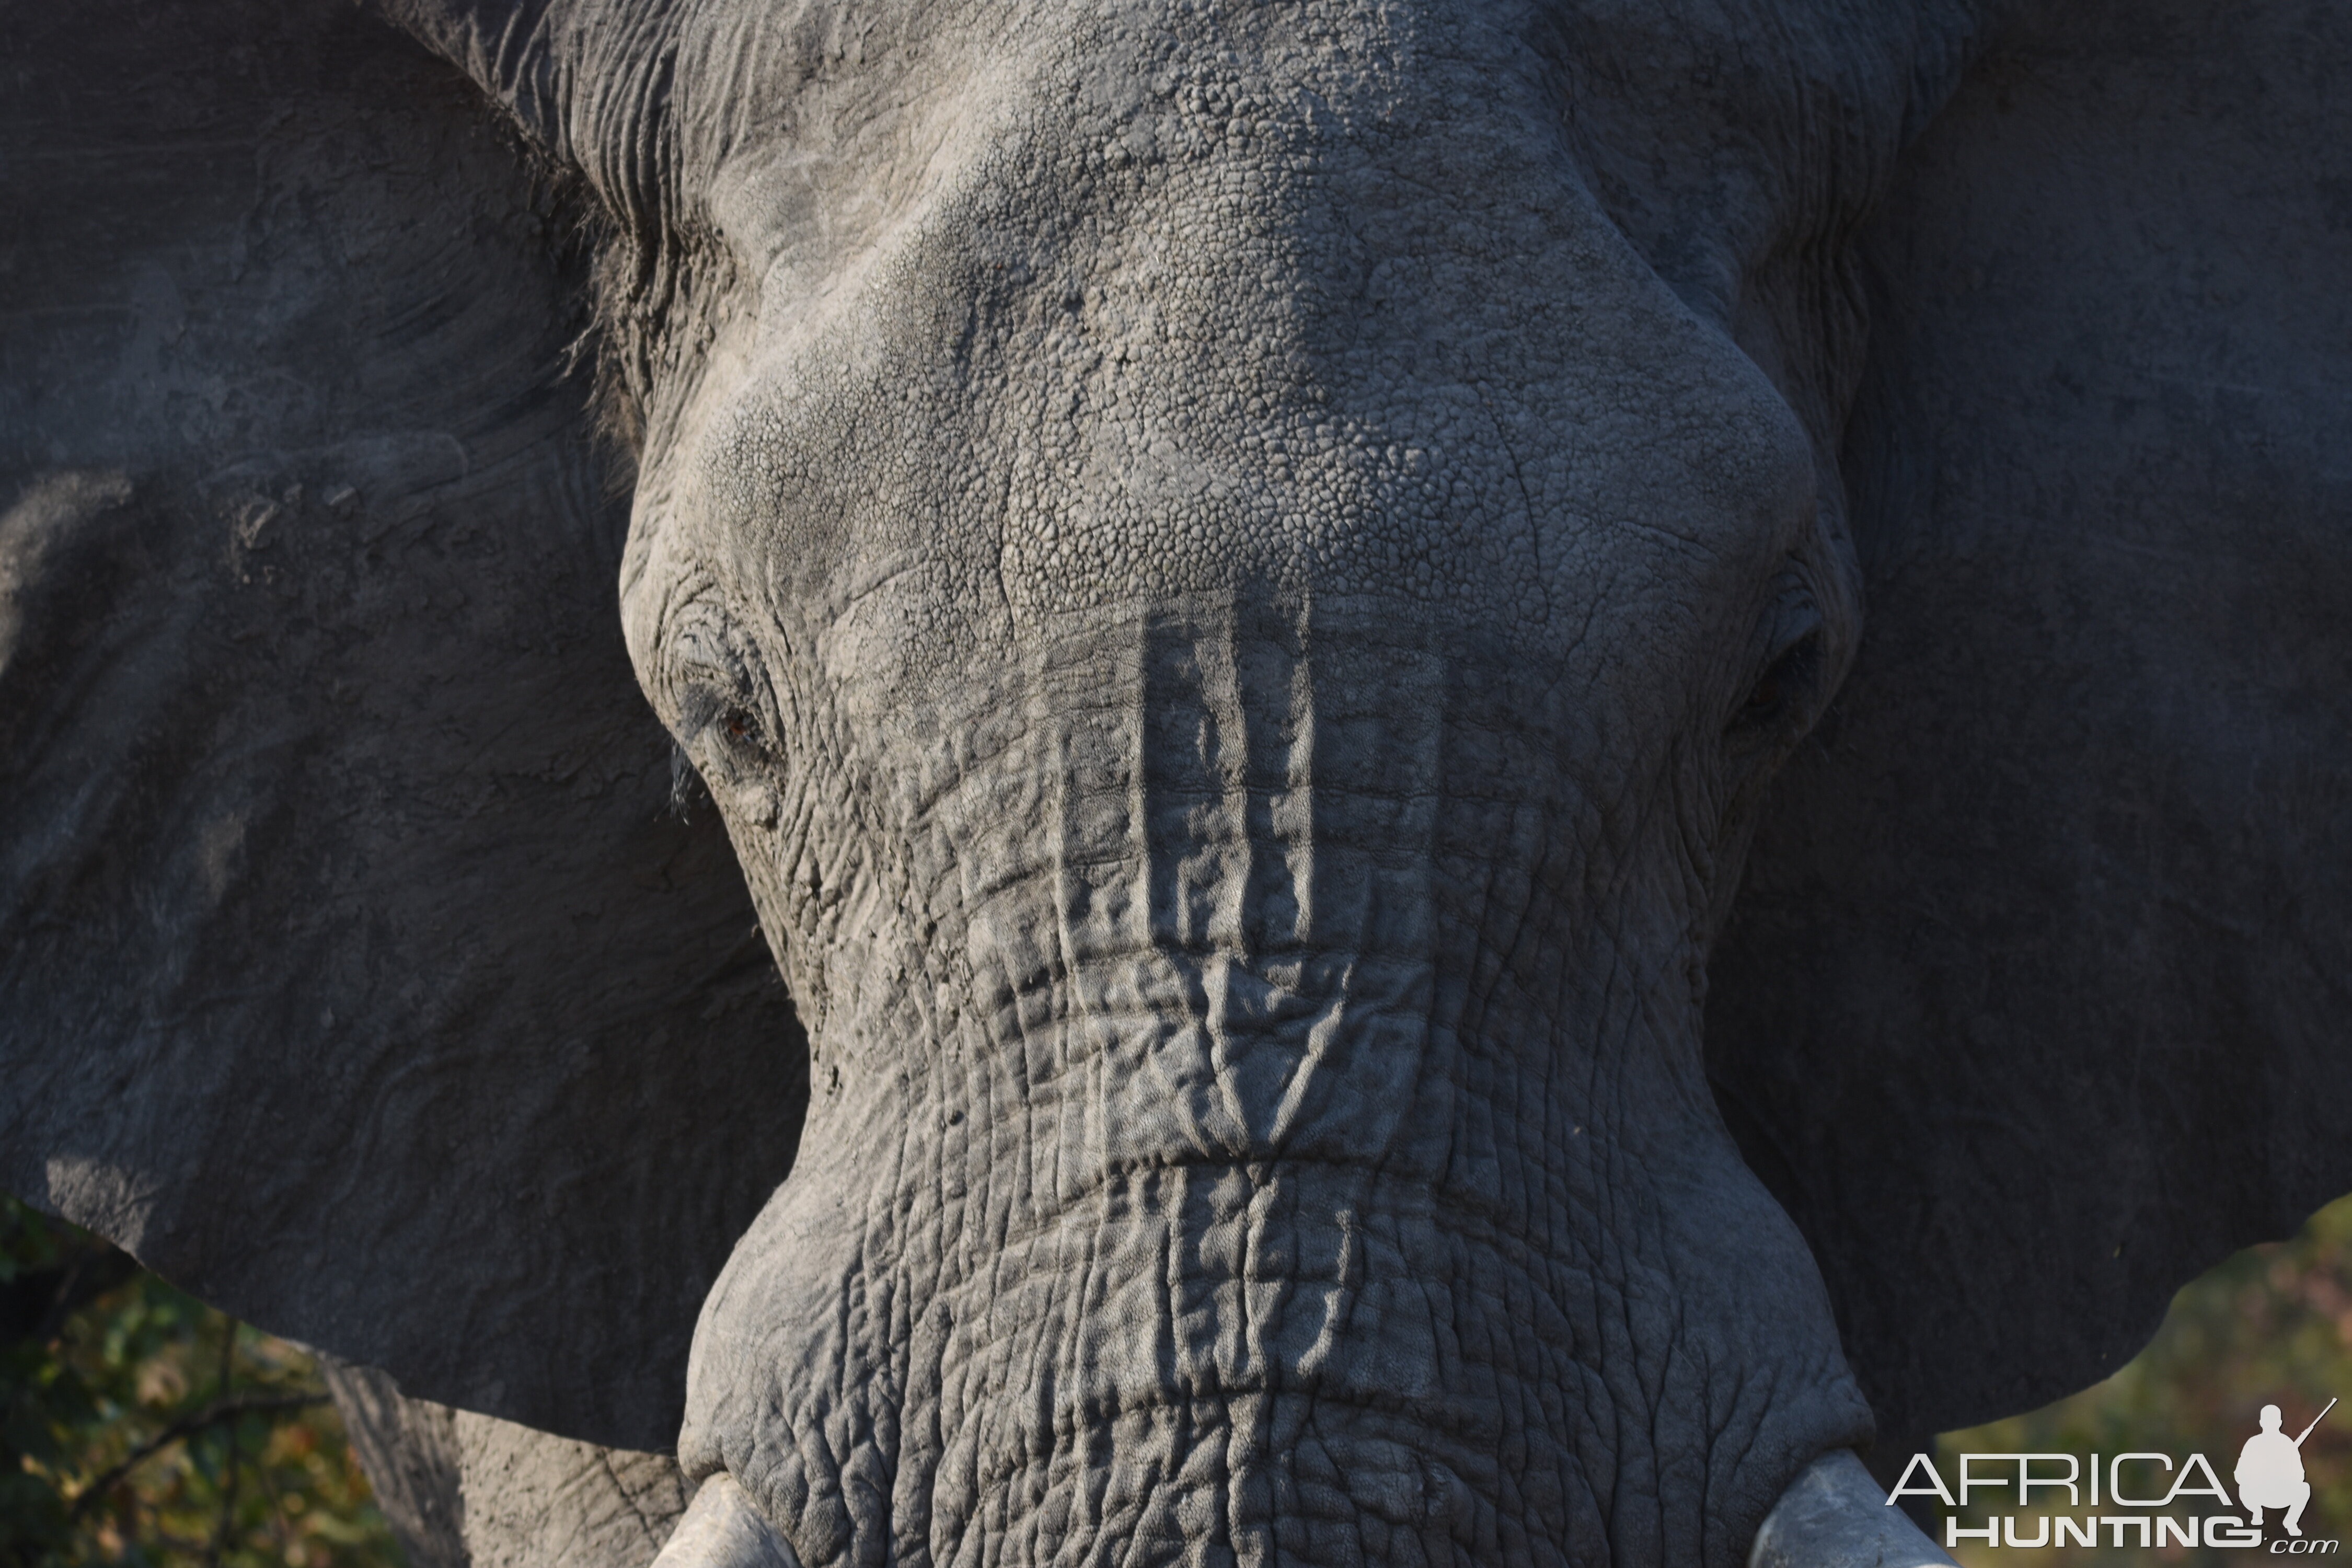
x: 1236, y: 581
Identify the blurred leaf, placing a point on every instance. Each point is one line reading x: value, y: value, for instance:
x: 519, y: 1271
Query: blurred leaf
x: 140, y: 1427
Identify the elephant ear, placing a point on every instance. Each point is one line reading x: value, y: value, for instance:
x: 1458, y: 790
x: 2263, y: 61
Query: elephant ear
x: 2033, y: 1003
x: 356, y: 970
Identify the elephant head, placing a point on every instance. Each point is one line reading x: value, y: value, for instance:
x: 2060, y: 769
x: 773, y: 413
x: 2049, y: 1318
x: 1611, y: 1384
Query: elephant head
x: 1234, y: 579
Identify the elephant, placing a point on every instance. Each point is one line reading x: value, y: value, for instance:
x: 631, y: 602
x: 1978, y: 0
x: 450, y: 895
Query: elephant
x: 1341, y: 783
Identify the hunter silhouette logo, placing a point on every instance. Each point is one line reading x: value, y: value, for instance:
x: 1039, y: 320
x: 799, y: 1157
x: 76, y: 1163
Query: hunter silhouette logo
x: 2142, y: 1499
x: 2270, y: 1470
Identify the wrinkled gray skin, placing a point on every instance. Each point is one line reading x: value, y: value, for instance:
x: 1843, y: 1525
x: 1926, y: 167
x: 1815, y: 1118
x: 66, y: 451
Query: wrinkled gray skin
x: 1237, y: 774
x: 1223, y: 604
x: 1235, y: 578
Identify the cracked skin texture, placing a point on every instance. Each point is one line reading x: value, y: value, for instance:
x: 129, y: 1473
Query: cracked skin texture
x: 1236, y: 576
x: 1217, y: 590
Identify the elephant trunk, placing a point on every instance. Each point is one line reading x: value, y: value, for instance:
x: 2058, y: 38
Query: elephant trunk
x: 1264, y: 1108
x: 1830, y: 1517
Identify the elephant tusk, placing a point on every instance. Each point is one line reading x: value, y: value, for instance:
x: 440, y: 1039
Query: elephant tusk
x: 722, y: 1528
x: 1834, y: 1516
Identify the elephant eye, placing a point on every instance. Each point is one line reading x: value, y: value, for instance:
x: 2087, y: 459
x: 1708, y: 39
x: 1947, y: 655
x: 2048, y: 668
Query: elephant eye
x: 738, y: 724
x: 723, y: 716
x: 1782, y: 684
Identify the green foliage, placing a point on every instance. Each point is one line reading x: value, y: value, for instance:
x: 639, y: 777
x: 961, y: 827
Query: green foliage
x: 2271, y: 1326
x: 140, y: 1427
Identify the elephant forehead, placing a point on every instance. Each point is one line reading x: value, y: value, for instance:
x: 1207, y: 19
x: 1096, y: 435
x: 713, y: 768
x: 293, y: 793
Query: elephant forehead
x: 1298, y: 352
